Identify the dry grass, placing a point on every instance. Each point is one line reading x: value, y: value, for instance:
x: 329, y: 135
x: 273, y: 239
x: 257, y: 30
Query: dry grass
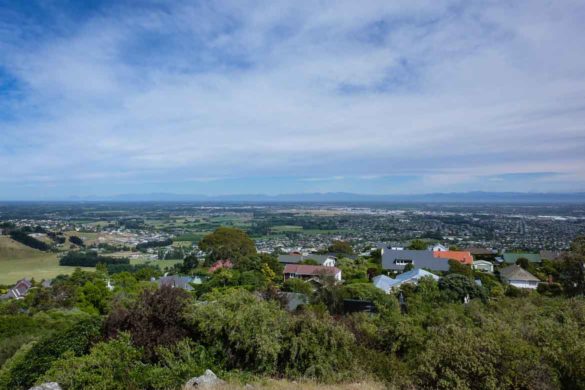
x: 273, y: 384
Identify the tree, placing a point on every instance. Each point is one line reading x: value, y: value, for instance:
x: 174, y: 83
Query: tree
x: 523, y: 262
x: 340, y: 247
x: 455, y: 267
x: 76, y: 240
x: 417, y: 245
x: 227, y: 243
x: 189, y: 262
x: 456, y: 287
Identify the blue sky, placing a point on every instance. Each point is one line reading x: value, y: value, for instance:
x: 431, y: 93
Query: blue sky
x: 109, y: 97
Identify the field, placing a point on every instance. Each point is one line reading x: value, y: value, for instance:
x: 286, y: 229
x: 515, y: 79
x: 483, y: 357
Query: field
x: 18, y: 261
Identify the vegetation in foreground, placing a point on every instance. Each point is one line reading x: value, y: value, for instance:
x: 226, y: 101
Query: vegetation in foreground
x: 83, y: 335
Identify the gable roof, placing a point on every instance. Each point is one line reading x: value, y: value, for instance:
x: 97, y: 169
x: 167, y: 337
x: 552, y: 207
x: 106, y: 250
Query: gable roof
x: 460, y: 256
x: 515, y: 272
x: 419, y: 258
x: 512, y: 258
x: 310, y: 270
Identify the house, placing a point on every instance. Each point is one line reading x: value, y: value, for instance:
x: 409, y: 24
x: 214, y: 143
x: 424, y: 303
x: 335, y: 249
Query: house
x: 324, y: 260
x: 221, y: 264
x: 483, y: 265
x: 517, y: 276
x: 387, y: 284
x: 512, y: 258
x: 305, y: 271
x: 438, y: 248
x: 396, y: 260
x: 176, y: 281
x: 19, y: 290
x: 460, y: 256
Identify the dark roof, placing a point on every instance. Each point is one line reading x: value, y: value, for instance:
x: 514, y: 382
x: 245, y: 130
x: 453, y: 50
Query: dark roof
x: 419, y: 258
x: 515, y: 272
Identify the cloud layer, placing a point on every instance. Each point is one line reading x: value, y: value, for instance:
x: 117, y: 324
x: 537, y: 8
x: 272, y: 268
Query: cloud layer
x: 226, y: 97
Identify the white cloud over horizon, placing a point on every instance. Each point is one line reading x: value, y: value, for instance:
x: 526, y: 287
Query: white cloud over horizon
x: 228, y: 96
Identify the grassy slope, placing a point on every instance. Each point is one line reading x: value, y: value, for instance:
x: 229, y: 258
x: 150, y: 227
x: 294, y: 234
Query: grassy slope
x: 18, y: 261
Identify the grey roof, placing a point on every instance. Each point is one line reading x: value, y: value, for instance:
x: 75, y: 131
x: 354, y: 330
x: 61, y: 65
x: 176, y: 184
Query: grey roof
x: 515, y: 272
x: 296, y: 259
x: 420, y: 259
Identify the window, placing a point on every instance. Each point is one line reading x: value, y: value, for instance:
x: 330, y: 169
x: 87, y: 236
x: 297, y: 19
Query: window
x: 403, y: 261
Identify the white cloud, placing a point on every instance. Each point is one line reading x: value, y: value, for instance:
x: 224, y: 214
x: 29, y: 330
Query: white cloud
x: 446, y: 91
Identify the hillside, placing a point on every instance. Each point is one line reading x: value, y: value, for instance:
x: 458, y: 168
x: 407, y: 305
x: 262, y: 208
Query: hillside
x: 18, y: 261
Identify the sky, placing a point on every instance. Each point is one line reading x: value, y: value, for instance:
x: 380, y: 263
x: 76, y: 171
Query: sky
x: 243, y: 97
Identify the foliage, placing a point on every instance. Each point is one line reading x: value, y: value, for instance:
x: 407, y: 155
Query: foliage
x: 26, y: 367
x: 418, y: 245
x: 76, y: 240
x: 27, y: 240
x: 89, y: 259
x: 456, y: 287
x: 456, y: 267
x: 340, y: 247
x: 227, y: 243
x: 143, y: 246
x: 154, y: 319
x: 111, y: 365
x: 297, y: 286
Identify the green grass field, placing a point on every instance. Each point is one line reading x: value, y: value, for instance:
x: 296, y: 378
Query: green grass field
x: 18, y: 261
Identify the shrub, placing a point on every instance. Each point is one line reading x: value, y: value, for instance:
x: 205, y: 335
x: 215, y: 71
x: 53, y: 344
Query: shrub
x: 154, y: 319
x: 30, y: 365
x: 112, y: 365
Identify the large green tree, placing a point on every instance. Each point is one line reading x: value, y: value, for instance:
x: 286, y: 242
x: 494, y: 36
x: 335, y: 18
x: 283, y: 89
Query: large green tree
x: 227, y: 243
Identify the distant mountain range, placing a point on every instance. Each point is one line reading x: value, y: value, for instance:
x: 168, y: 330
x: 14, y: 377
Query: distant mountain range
x: 454, y: 197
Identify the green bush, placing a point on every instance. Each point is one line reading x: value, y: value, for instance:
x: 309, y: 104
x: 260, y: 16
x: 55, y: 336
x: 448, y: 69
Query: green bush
x: 75, y: 339
x: 113, y: 365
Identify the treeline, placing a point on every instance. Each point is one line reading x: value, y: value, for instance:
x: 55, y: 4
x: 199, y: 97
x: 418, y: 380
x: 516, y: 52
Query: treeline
x: 27, y: 240
x: 154, y: 244
x: 89, y: 259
